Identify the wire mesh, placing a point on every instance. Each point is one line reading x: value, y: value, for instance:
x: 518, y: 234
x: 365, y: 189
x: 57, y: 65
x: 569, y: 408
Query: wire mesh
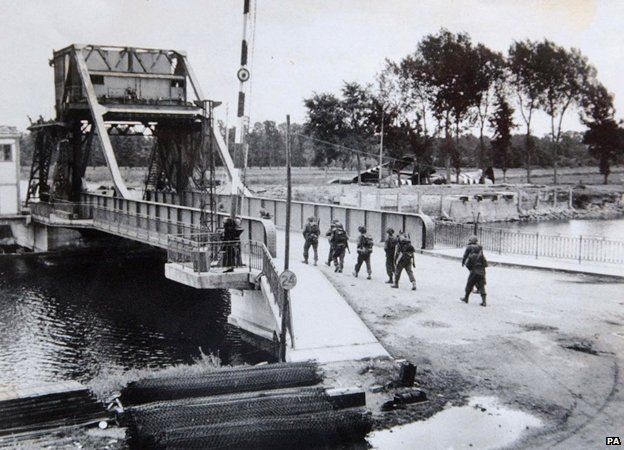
x: 143, y: 423
x: 224, y: 381
x: 310, y: 430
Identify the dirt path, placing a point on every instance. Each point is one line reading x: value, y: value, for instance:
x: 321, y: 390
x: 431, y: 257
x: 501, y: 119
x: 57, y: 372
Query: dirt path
x: 549, y: 344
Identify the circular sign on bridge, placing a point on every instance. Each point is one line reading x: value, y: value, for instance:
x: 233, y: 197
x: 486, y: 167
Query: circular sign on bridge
x: 243, y: 74
x: 288, y: 279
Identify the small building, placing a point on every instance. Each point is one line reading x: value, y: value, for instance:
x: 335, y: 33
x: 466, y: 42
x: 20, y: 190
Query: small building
x: 9, y: 171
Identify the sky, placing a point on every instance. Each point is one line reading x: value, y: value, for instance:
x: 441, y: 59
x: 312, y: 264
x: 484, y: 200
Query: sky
x: 300, y: 47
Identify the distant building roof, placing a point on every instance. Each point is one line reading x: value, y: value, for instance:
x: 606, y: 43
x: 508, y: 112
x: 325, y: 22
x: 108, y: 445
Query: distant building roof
x: 7, y: 131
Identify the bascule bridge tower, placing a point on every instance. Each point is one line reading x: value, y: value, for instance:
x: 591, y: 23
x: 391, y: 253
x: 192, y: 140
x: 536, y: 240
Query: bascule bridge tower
x: 104, y: 90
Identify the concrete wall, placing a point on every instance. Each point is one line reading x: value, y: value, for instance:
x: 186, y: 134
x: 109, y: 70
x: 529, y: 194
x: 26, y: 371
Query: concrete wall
x: 41, y: 238
x: 251, y: 311
x: 495, y: 206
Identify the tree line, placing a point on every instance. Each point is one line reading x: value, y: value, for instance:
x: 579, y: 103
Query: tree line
x: 451, y: 103
x: 451, y: 87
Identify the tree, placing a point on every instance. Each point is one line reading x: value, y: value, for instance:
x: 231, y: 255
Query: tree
x: 561, y: 76
x: 406, y: 95
x: 490, y: 72
x: 522, y: 64
x: 326, y: 119
x: 604, y: 137
x: 451, y: 64
x: 501, y: 123
x: 358, y: 106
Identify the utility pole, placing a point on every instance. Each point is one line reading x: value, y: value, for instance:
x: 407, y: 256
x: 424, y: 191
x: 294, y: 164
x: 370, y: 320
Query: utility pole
x: 288, y: 192
x: 381, y: 146
x: 286, y: 306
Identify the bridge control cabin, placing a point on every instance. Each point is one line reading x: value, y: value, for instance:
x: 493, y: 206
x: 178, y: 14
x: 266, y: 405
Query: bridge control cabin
x: 131, y: 82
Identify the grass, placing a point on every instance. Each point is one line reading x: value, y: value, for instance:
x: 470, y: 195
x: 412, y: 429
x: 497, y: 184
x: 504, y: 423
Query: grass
x: 109, y: 382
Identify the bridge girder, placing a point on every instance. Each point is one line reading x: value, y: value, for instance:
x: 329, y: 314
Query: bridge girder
x: 100, y: 86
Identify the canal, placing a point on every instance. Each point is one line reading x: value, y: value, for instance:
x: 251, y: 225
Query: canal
x: 70, y: 318
x: 610, y: 229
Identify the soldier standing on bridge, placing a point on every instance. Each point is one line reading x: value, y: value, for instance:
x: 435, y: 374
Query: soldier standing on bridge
x: 475, y: 262
x: 311, y: 235
x: 339, y: 241
x: 232, y: 230
x: 364, y: 250
x: 390, y: 249
x: 404, y: 259
x: 330, y: 232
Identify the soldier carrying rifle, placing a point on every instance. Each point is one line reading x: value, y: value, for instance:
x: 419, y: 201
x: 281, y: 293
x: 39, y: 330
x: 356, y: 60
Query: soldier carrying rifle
x: 404, y: 259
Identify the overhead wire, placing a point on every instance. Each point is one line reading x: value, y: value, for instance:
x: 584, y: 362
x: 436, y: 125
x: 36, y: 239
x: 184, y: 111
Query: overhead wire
x: 352, y: 150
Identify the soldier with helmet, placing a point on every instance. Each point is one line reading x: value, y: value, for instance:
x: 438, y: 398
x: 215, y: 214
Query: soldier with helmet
x: 390, y: 249
x: 311, y: 233
x: 475, y: 262
x: 364, y: 250
x: 339, y: 242
x: 332, y: 227
x: 404, y: 259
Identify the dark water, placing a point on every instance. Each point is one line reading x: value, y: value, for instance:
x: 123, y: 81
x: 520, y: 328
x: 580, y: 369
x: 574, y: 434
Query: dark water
x: 73, y: 319
x: 611, y: 229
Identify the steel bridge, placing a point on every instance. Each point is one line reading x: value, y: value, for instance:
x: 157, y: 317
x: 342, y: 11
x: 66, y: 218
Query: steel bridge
x: 106, y: 91
x: 248, y: 268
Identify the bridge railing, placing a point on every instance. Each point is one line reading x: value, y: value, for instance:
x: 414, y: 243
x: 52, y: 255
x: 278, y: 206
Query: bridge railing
x: 205, y: 252
x: 62, y: 210
x: 499, y: 240
x: 420, y: 226
x: 149, y: 218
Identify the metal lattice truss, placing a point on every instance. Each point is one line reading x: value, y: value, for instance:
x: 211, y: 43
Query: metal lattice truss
x: 102, y: 90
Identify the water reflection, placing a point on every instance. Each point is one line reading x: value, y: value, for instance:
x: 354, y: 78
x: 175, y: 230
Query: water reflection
x: 613, y: 229
x: 71, y: 319
x: 482, y: 424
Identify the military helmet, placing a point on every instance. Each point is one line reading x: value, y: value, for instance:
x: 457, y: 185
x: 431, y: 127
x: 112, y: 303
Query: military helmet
x: 362, y: 229
x: 473, y: 239
x: 390, y: 230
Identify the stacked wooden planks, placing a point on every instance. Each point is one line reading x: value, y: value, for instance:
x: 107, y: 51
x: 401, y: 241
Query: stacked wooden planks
x: 25, y: 409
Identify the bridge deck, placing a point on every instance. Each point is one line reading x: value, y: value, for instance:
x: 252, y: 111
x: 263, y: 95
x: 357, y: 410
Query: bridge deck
x: 325, y: 327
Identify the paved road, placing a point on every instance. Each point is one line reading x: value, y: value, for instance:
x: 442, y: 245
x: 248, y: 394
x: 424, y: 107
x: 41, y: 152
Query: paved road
x: 518, y: 348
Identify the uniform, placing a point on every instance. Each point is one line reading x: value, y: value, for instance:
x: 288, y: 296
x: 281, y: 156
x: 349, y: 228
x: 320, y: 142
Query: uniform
x: 329, y: 233
x: 311, y: 234
x: 340, y: 242
x: 404, y: 261
x: 231, y: 248
x: 475, y: 261
x: 364, y: 250
x: 390, y: 249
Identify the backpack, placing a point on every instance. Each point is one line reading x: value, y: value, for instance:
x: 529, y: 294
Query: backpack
x: 340, y: 237
x: 366, y: 245
x: 404, y: 244
x: 313, y: 232
x: 476, y: 259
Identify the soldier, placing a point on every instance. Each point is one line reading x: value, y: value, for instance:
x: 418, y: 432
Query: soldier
x: 311, y: 234
x: 475, y: 262
x: 329, y: 233
x: 404, y: 260
x: 340, y: 243
x: 390, y: 249
x: 364, y: 250
x: 232, y: 229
